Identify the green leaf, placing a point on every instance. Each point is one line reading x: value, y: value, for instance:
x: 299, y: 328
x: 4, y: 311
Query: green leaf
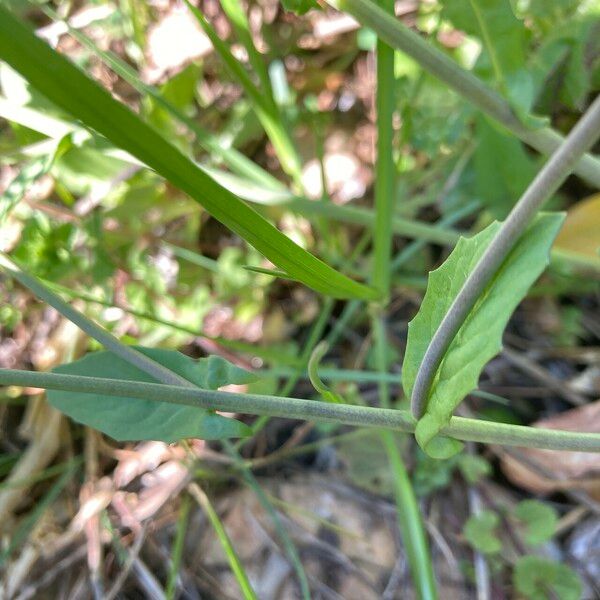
x: 503, y: 169
x: 539, y: 578
x: 133, y: 419
x: 480, y: 532
x: 503, y: 36
x: 300, y: 7
x: 473, y: 467
x: 180, y: 90
x: 69, y: 88
x: 28, y: 175
x: 539, y: 520
x: 430, y: 474
x: 479, y: 339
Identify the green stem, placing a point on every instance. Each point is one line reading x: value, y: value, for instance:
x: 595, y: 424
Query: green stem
x: 365, y: 217
x: 547, y: 181
x: 385, y: 174
x: 288, y: 545
x: 411, y: 523
x: 154, y: 369
x: 474, y: 430
x: 392, y: 31
x: 234, y: 560
x: 410, y: 519
x: 264, y: 106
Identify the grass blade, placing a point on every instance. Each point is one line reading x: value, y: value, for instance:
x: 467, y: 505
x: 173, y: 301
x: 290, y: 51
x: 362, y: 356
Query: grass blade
x: 236, y: 15
x: 177, y: 552
x: 409, y: 517
x: 65, y: 85
x: 263, y: 105
x: 235, y: 160
x: 234, y: 561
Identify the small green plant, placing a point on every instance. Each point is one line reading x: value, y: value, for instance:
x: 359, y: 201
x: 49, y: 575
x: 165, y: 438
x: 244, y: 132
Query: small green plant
x: 534, y: 523
x: 131, y: 392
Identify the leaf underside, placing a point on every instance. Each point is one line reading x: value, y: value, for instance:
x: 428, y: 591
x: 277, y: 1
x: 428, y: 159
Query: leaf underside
x: 480, y: 337
x: 129, y: 419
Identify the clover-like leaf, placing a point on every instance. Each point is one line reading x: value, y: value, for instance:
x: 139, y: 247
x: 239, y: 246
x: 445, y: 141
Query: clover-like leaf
x: 539, y: 521
x: 480, y: 532
x: 133, y: 419
x: 539, y: 578
x: 480, y: 337
x: 473, y: 467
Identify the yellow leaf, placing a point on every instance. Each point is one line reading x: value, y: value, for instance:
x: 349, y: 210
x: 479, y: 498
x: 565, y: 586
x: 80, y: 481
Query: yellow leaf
x: 581, y: 231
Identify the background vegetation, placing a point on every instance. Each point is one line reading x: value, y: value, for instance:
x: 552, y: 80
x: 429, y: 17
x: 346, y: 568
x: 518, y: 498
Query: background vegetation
x: 361, y: 158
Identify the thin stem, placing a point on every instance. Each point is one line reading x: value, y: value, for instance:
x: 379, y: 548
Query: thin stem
x: 409, y: 517
x: 385, y: 174
x: 287, y: 542
x: 548, y: 180
x: 294, y: 408
x: 154, y: 369
x: 363, y: 216
x: 107, y: 339
x: 234, y: 561
x: 463, y: 82
x: 411, y: 522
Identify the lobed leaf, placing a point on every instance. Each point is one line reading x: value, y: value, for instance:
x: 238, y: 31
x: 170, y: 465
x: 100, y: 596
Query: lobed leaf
x: 480, y: 532
x: 70, y: 89
x: 127, y: 419
x: 479, y: 339
x: 538, y: 519
x: 540, y: 578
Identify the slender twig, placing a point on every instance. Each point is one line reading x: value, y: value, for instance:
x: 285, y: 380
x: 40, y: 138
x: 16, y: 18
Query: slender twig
x: 294, y: 408
x: 548, y: 180
x: 463, y: 82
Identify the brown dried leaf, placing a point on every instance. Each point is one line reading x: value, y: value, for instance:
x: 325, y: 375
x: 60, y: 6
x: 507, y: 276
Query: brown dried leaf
x: 560, y: 470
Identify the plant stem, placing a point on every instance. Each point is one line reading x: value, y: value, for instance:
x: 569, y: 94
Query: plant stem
x: 234, y: 560
x: 397, y: 35
x: 264, y: 106
x: 410, y: 520
x: 294, y: 408
x: 363, y: 216
x: 288, y: 545
x: 547, y: 181
x: 154, y: 369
